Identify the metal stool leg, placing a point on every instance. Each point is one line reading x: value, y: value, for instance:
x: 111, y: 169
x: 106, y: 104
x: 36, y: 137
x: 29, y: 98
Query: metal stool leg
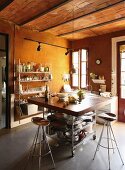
x: 110, y: 133
x: 40, y: 147
x: 33, y: 147
x: 108, y: 143
x: 44, y: 134
x: 100, y: 138
x: 116, y: 144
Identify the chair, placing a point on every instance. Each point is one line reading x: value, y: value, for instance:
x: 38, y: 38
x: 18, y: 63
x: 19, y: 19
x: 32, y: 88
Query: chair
x: 108, y: 118
x: 40, y: 141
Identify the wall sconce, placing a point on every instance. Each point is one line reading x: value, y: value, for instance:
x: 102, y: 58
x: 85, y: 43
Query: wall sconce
x: 39, y: 47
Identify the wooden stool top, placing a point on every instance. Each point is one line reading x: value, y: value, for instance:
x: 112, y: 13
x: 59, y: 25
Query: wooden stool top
x: 107, y: 116
x: 40, y: 121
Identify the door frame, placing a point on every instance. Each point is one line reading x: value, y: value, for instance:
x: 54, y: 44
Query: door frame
x: 121, y: 117
x: 7, y: 80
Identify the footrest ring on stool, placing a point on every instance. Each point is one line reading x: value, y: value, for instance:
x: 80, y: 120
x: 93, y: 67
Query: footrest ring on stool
x: 110, y: 139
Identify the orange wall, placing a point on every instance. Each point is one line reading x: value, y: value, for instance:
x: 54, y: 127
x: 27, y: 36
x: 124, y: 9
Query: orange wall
x: 99, y: 47
x: 55, y: 57
x: 26, y: 51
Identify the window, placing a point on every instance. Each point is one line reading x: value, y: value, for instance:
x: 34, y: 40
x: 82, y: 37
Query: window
x: 122, y: 74
x: 80, y: 63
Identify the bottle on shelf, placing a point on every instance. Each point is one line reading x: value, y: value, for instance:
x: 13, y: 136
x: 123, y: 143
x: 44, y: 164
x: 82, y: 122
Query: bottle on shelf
x: 41, y: 68
x: 46, y: 68
x: 20, y: 67
x: 46, y: 94
x: 23, y: 67
x: 28, y: 66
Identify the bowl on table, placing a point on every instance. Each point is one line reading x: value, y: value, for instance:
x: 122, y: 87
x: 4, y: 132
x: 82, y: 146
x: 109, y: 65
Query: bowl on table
x: 62, y: 96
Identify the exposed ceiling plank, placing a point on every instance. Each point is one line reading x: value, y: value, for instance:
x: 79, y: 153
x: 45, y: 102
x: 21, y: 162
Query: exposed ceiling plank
x: 93, y: 26
x: 5, y: 4
x: 93, y: 12
x: 44, y: 13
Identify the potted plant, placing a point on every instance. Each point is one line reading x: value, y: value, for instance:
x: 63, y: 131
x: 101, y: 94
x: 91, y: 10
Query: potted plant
x: 80, y: 94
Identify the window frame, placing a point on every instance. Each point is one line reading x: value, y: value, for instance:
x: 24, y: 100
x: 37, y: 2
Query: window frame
x: 80, y: 68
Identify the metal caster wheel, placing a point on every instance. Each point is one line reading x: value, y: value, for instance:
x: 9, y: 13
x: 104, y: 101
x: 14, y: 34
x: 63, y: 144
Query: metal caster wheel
x: 94, y: 137
x: 73, y: 153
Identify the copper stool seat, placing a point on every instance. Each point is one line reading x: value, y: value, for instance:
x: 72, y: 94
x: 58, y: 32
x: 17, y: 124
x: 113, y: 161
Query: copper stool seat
x: 110, y: 138
x: 40, y: 146
x: 40, y: 121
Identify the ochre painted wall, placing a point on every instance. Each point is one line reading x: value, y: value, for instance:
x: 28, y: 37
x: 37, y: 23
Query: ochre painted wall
x: 26, y: 51
x: 55, y: 57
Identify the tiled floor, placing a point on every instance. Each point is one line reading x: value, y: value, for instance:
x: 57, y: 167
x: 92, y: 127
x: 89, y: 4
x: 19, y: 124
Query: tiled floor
x: 15, y: 145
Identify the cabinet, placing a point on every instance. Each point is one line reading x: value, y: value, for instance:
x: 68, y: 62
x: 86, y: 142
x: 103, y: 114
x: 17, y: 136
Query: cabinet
x: 30, y: 81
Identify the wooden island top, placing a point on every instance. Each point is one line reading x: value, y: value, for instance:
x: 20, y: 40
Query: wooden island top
x: 90, y: 103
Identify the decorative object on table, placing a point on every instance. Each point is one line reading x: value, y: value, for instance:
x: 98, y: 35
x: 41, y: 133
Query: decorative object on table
x: 62, y: 96
x: 72, y: 99
x: 80, y: 94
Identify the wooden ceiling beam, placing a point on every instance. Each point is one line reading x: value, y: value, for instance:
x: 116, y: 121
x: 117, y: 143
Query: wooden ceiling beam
x: 94, y: 26
x: 5, y: 4
x: 90, y: 13
x: 46, y: 12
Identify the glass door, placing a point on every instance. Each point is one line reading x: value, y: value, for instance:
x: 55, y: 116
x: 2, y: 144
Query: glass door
x: 3, y: 81
x: 121, y: 81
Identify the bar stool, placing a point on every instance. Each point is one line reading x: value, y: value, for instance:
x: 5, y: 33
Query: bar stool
x: 108, y: 118
x: 41, y: 140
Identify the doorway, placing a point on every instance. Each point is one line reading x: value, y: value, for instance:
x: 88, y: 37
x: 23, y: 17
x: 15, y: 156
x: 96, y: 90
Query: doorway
x: 121, y: 80
x: 3, y: 80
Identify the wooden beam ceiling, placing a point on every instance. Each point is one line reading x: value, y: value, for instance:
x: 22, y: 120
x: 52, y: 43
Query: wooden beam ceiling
x: 5, y: 3
x: 90, y: 13
x: 82, y: 18
x: 44, y: 13
x: 93, y: 26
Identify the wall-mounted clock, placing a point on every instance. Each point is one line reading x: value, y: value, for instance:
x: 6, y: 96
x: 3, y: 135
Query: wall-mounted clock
x: 98, y: 61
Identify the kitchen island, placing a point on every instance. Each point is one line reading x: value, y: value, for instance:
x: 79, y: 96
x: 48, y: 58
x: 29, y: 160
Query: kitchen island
x: 78, y: 111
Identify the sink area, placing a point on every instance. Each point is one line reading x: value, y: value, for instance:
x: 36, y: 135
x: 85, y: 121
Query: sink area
x: 89, y: 94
